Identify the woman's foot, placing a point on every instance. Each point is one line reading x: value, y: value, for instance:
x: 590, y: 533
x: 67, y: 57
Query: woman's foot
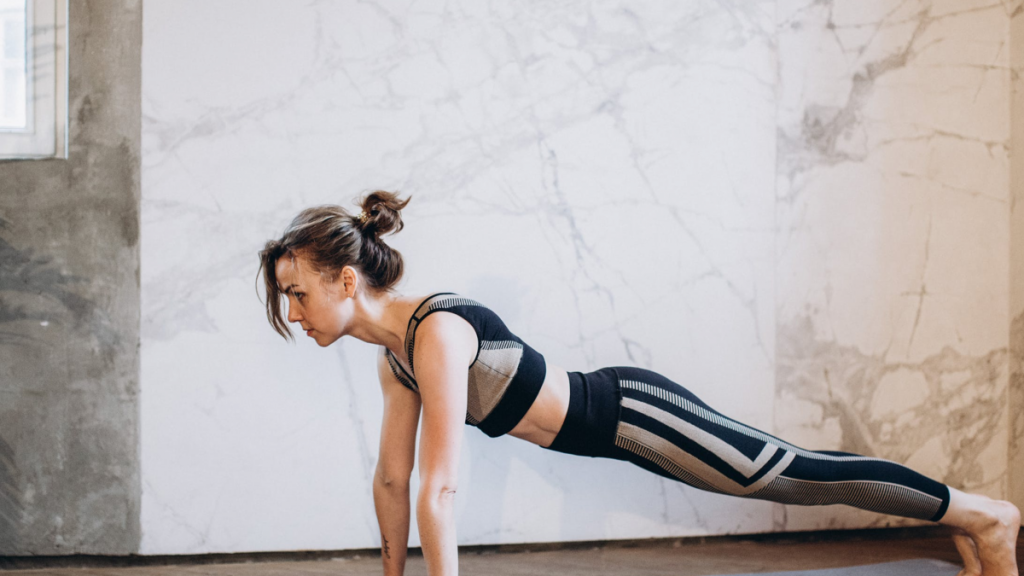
x: 992, y: 526
x: 969, y: 552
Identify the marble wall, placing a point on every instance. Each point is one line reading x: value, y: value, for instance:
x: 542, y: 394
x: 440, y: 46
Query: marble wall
x: 799, y: 210
x: 893, y: 244
x: 1016, y: 397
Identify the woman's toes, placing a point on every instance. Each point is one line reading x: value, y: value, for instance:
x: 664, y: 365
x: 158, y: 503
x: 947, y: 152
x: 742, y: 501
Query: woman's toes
x: 969, y: 552
x: 995, y: 538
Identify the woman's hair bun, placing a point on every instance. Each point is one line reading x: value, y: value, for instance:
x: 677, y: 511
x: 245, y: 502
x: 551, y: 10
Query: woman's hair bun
x: 382, y: 212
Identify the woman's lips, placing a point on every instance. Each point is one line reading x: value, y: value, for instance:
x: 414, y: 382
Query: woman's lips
x: 309, y: 332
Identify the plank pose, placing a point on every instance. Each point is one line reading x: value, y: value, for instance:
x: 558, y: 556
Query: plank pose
x: 452, y: 360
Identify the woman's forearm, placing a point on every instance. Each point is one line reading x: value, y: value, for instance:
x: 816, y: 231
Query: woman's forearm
x: 435, y: 515
x: 391, y: 501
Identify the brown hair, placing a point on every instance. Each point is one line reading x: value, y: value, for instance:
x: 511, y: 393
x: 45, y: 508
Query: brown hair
x: 330, y: 238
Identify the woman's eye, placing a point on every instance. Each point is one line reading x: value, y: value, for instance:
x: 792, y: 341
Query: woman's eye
x: 298, y: 296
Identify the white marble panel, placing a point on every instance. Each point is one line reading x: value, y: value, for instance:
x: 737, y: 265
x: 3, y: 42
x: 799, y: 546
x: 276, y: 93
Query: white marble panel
x: 600, y: 174
x: 607, y: 177
x: 893, y: 248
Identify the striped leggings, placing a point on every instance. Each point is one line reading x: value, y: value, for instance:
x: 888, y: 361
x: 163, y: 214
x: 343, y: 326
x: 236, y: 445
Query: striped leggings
x: 642, y: 417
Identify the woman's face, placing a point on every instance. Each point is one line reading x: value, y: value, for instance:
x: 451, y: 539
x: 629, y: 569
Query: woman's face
x: 322, y: 309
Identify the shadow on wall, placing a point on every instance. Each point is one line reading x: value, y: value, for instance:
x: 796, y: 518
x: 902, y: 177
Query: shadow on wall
x: 10, y: 500
x: 28, y: 286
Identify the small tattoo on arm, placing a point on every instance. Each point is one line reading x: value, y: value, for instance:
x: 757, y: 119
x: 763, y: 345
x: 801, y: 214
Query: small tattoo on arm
x: 387, y: 551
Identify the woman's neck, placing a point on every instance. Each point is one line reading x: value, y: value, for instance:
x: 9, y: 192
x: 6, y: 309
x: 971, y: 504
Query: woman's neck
x: 383, y: 319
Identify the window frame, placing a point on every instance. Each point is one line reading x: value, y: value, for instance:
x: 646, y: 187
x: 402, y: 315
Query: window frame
x: 45, y: 134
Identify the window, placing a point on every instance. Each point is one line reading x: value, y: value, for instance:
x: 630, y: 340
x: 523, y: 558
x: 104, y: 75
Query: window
x: 33, y: 83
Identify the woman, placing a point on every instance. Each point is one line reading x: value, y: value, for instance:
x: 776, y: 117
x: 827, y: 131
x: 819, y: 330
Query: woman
x: 464, y: 365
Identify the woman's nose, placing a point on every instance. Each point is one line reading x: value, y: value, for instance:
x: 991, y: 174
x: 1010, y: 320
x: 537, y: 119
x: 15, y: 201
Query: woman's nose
x: 293, y: 314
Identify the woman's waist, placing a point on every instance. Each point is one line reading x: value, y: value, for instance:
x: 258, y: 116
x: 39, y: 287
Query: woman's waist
x: 592, y: 414
x: 542, y: 421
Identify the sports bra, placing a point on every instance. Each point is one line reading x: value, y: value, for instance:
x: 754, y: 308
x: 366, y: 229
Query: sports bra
x: 504, y: 378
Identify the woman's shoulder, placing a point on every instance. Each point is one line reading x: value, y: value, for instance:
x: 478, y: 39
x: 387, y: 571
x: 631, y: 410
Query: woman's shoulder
x: 446, y: 299
x: 453, y: 332
x: 469, y: 309
x: 454, y: 302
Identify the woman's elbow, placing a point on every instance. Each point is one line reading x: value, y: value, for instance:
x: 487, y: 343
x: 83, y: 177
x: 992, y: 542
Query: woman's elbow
x: 438, y: 493
x: 391, y: 479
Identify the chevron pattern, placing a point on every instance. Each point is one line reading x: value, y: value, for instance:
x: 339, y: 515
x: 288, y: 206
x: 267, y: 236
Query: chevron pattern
x: 662, y: 429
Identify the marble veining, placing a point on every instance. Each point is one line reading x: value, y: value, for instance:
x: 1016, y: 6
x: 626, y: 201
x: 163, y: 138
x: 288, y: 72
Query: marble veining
x: 1015, y: 405
x: 1015, y: 408
x: 893, y: 247
x: 939, y: 415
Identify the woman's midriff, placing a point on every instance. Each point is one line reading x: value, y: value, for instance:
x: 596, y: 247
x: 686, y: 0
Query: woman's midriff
x: 544, y: 419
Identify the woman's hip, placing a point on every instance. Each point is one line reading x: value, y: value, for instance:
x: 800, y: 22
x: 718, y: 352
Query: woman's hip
x: 606, y: 404
x: 595, y: 408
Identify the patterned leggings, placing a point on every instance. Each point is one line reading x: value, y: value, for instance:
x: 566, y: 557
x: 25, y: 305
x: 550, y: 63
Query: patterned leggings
x: 642, y: 417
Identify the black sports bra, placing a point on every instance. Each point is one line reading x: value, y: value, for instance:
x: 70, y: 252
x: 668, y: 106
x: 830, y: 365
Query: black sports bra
x: 504, y: 378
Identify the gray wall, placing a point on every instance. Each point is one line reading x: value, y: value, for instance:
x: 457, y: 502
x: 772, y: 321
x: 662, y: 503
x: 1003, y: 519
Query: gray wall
x: 69, y: 309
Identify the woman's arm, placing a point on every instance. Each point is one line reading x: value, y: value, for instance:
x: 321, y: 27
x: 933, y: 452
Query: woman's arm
x: 394, y: 467
x: 445, y: 347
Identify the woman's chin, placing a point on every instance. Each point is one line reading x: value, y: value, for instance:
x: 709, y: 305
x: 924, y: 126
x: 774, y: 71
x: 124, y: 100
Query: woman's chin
x: 323, y: 340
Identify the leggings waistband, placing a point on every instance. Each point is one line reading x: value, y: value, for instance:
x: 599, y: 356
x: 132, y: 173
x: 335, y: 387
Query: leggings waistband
x: 593, y: 415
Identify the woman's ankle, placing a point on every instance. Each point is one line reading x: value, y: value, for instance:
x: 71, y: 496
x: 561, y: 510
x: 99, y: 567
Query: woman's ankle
x: 974, y: 512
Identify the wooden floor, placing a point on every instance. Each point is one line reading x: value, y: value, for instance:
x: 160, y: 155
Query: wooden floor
x: 679, y: 557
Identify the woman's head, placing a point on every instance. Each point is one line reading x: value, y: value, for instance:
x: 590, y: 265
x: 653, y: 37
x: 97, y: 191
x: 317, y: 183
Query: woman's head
x: 318, y: 245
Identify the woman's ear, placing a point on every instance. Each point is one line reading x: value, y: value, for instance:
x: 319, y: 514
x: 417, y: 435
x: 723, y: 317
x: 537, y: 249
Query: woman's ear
x: 350, y: 281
